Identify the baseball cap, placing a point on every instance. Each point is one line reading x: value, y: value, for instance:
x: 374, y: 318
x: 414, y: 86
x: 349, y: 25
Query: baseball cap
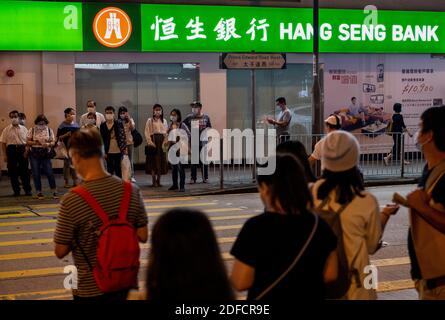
x: 196, y: 104
x: 333, y: 120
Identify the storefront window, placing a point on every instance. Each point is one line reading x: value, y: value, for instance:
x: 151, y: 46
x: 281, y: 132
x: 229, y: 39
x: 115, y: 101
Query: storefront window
x: 138, y: 87
x: 293, y: 83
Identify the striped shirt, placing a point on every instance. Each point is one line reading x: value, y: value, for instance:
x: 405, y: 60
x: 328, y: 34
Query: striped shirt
x: 76, y: 222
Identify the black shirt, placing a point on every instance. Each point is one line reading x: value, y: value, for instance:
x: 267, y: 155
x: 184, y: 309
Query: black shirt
x: 270, y: 243
x: 438, y: 195
x: 65, y: 128
x: 398, y: 125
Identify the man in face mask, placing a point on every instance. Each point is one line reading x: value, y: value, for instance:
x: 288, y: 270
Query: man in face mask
x: 91, y: 108
x: 115, y: 142
x: 64, y: 132
x: 13, y: 140
x: 426, y: 241
x: 77, y: 221
x: 283, y: 120
x: 199, y: 120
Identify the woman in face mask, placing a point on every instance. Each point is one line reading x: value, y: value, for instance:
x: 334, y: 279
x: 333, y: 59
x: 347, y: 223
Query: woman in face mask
x: 41, y: 139
x: 90, y: 121
x: 156, y: 135
x: 176, y: 123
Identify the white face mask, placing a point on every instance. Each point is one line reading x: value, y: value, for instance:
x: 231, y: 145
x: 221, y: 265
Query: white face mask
x: 109, y: 116
x: 41, y: 126
x: 173, y: 118
x: 91, y: 121
x: 419, y: 145
x: 90, y: 110
x: 157, y: 113
x: 195, y: 111
x: 15, y: 121
x: 123, y: 117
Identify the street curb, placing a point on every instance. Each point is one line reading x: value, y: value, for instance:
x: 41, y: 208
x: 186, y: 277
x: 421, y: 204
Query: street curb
x: 384, y: 183
x: 253, y: 188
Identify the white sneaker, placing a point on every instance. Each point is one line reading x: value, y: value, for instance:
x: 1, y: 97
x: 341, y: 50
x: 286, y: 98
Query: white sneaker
x: 133, y: 180
x: 386, y: 161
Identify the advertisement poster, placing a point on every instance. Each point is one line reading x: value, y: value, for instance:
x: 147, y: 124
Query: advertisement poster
x: 377, y: 82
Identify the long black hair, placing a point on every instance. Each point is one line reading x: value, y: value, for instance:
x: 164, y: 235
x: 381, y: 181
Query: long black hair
x: 157, y: 105
x: 288, y: 184
x: 178, y: 114
x: 297, y: 149
x: 185, y: 260
x: 348, y: 184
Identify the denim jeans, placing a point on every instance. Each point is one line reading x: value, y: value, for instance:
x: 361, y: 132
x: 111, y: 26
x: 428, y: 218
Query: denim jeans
x: 178, y: 168
x: 39, y: 167
x: 114, y: 164
x: 68, y: 171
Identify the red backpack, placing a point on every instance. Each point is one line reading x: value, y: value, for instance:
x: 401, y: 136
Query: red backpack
x: 117, y: 247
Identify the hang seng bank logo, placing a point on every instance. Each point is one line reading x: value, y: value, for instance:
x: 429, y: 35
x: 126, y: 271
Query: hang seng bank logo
x: 112, y: 27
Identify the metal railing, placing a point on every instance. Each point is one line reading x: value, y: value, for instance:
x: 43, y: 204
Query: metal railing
x: 381, y: 157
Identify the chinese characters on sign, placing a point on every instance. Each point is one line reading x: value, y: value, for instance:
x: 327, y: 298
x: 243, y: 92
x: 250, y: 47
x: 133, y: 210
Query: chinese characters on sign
x: 224, y: 30
x: 253, y: 61
x: 344, y: 76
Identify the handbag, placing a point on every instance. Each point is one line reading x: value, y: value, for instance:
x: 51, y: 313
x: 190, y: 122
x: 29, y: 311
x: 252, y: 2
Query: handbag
x: 137, y: 138
x: 60, y: 150
x: 126, y: 168
x: 298, y: 257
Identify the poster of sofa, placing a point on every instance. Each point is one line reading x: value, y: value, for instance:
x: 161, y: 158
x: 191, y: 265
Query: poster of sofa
x: 377, y: 81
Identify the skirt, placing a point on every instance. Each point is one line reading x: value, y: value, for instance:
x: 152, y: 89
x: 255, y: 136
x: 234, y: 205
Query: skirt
x: 157, y: 164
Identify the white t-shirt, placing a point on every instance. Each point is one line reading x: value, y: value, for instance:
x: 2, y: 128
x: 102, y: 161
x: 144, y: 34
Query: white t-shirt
x: 14, y: 135
x: 316, y: 154
x: 285, y: 116
x: 362, y: 231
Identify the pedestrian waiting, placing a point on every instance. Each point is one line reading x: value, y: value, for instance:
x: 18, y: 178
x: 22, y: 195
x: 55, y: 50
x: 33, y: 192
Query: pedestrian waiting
x: 107, y: 266
x: 41, y: 140
x: 185, y: 260
x: 156, y: 135
x: 13, y: 140
x: 178, y: 169
x: 115, y: 142
x: 426, y: 240
x: 353, y: 214
x: 286, y: 253
x: 64, y: 132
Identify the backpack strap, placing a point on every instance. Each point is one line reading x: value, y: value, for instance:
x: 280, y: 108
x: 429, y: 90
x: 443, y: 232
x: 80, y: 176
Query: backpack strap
x: 327, y: 200
x: 125, y: 204
x: 92, y: 202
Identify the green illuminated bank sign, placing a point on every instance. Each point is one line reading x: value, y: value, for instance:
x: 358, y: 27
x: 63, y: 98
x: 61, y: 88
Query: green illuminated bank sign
x: 75, y: 26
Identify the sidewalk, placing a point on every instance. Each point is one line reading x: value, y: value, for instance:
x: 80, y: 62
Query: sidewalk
x: 236, y: 180
x: 240, y: 185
